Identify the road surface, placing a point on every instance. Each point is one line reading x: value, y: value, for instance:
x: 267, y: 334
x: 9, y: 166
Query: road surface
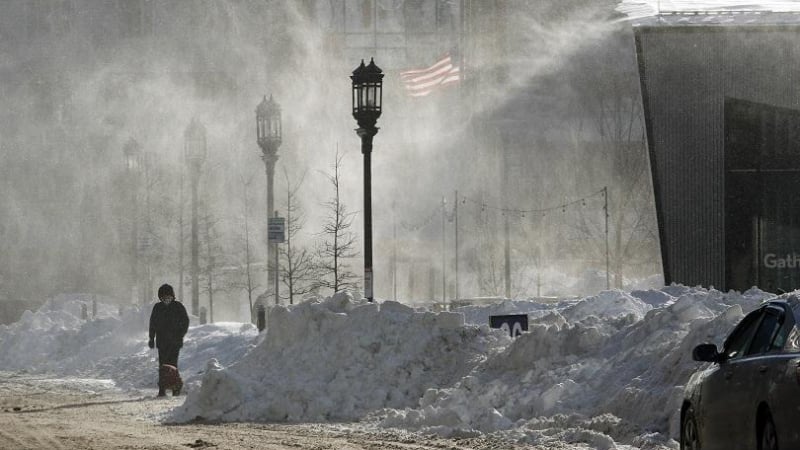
x: 37, y: 412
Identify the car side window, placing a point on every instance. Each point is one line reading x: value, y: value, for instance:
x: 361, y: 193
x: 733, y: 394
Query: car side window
x: 785, y: 331
x: 737, y: 341
x: 793, y: 337
x: 767, y: 331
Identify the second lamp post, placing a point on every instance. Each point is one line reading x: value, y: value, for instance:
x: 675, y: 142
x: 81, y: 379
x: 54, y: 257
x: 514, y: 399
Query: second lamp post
x: 367, y: 99
x: 268, y: 136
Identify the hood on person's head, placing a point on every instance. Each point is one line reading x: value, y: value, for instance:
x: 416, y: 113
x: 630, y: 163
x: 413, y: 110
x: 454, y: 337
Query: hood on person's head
x: 166, y: 294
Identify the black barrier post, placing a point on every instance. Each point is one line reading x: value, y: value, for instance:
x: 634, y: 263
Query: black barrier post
x: 94, y: 308
x: 84, y: 313
x: 261, y: 318
x: 515, y: 324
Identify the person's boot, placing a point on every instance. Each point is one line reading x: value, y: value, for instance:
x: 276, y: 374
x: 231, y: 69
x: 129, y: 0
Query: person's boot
x: 162, y: 392
x: 176, y: 391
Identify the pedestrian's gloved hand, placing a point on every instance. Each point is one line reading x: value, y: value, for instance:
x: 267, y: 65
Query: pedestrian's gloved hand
x: 151, y: 343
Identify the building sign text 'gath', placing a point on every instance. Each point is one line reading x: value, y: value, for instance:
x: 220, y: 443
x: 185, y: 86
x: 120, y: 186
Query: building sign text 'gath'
x: 789, y: 261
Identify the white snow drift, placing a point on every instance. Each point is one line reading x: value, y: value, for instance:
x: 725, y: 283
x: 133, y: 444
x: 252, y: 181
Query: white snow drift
x: 605, y: 371
x: 339, y: 359
x: 112, y: 345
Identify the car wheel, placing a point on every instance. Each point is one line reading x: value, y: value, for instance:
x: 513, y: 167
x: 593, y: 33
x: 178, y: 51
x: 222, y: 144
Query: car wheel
x: 768, y: 436
x: 690, y: 440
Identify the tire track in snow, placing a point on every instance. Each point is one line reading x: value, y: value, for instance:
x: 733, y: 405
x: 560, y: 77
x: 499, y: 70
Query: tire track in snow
x: 24, y: 435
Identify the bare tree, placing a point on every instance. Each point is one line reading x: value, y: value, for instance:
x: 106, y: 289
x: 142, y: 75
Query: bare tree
x: 229, y: 258
x: 243, y: 278
x: 212, y: 259
x: 215, y: 258
x: 338, y: 244
x: 484, y: 257
x: 300, y: 273
x: 616, y: 118
x: 625, y: 146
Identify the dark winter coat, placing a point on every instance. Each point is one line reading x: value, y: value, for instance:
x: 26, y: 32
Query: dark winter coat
x: 168, y: 324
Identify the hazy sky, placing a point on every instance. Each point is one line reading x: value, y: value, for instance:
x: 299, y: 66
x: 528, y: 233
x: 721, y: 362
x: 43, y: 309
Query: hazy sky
x: 83, y: 77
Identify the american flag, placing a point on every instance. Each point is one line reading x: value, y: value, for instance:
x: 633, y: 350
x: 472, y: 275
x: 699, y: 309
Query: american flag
x: 421, y: 82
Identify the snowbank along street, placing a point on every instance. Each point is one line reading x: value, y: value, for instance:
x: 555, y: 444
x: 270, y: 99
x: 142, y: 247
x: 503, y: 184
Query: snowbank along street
x: 603, y: 372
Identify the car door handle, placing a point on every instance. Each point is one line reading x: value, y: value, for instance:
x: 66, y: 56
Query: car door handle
x: 763, y: 369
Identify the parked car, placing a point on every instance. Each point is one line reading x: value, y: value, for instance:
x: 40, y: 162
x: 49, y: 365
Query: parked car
x: 749, y: 398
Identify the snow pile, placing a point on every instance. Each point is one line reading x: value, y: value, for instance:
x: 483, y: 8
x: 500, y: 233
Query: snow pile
x: 653, y: 297
x: 646, y: 8
x: 42, y: 340
x: 57, y: 340
x: 605, y: 371
x: 598, y: 372
x: 224, y: 341
x: 607, y: 305
x: 338, y: 359
x: 479, y: 314
x: 557, y: 283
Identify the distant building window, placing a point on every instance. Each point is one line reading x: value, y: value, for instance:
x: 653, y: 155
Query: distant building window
x: 445, y: 20
x: 414, y: 15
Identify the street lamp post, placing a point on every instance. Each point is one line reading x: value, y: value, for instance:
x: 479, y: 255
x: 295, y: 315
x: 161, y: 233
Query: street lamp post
x: 268, y: 137
x: 367, y: 99
x: 195, y: 154
x: 132, y: 152
x: 444, y: 251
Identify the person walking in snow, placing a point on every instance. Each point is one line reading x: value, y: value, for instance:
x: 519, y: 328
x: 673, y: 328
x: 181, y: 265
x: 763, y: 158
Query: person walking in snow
x: 168, y: 325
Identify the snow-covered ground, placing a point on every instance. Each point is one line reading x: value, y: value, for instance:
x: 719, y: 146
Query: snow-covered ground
x: 602, y: 372
x: 113, y: 345
x: 643, y: 8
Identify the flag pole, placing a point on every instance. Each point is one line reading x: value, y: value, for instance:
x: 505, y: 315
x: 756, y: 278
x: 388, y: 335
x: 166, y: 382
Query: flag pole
x: 455, y: 213
x: 605, y: 211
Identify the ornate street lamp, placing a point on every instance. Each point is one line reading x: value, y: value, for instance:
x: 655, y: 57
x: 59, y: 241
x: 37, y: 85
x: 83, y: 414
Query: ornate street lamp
x: 367, y: 100
x: 268, y: 124
x: 268, y: 136
x: 195, y: 154
x: 133, y: 157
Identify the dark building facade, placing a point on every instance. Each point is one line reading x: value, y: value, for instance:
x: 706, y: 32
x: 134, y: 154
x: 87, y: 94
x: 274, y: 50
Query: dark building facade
x: 722, y: 111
